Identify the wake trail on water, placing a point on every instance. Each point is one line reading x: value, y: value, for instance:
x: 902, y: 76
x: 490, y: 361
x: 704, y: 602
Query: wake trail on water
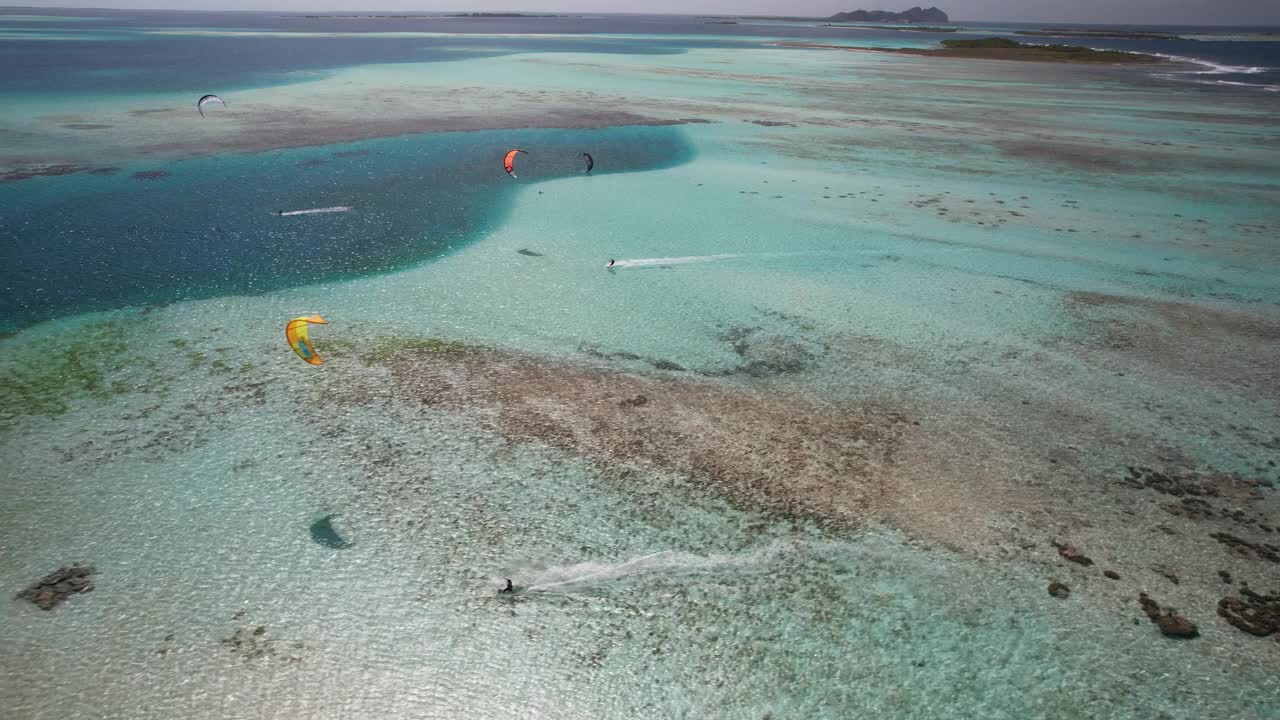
x: 316, y: 211
x: 583, y: 576
x: 650, y: 262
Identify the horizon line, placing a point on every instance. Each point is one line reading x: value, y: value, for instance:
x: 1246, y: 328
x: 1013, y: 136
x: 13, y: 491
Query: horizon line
x: 531, y: 13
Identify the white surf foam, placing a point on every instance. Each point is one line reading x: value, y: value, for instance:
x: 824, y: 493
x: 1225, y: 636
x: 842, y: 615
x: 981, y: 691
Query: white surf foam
x: 1211, y: 68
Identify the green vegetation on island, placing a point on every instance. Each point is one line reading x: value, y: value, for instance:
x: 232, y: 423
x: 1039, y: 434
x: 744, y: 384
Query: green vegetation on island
x: 1004, y: 49
x: 914, y: 15
x: 904, y: 28
x: 1113, y: 35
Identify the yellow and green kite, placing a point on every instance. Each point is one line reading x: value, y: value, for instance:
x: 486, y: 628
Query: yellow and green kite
x: 296, y: 333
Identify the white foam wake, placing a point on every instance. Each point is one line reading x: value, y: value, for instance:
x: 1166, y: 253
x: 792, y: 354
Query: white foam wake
x: 581, y: 576
x: 316, y: 211
x: 1212, y: 68
x: 649, y: 262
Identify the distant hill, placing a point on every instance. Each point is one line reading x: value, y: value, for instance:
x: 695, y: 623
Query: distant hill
x: 914, y: 15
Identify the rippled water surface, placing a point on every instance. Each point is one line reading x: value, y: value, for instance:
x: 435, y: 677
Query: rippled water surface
x: 881, y: 333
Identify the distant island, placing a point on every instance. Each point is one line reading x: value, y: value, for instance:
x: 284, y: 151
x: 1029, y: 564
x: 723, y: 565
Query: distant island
x: 913, y: 28
x: 914, y: 15
x: 498, y: 15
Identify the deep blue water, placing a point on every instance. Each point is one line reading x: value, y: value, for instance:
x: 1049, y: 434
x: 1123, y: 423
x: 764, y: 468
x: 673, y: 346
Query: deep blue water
x: 81, y: 243
x: 136, y: 61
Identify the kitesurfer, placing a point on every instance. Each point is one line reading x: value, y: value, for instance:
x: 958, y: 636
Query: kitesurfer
x: 611, y: 262
x: 509, y: 588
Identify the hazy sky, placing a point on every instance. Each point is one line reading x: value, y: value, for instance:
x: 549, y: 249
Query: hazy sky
x: 1152, y: 12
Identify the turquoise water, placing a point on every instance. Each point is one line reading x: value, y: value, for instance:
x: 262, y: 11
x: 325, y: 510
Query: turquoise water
x: 881, y: 329
x: 101, y: 241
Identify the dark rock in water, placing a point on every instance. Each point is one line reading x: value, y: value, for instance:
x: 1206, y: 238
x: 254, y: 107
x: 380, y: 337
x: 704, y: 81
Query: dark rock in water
x: 1112, y: 574
x: 636, y: 401
x: 1252, y: 612
x: 1170, y: 623
x: 1149, y: 606
x: 1202, y: 484
x: 1072, y: 553
x: 1176, y: 626
x: 667, y: 365
x: 530, y: 253
x: 1244, y: 548
x: 1193, y: 508
x: 1194, y: 491
x: 322, y: 532
x: 1059, y: 590
x: 55, y: 587
x: 1226, y: 576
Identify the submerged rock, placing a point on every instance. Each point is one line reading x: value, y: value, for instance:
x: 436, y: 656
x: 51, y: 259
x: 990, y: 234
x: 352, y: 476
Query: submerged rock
x: 1252, y: 612
x: 57, y: 586
x: 1059, y: 590
x: 1194, y: 491
x: 1073, y: 553
x: 322, y: 532
x: 530, y: 253
x: 1171, y: 624
x: 1244, y: 548
x: 1200, y: 484
x: 1176, y: 626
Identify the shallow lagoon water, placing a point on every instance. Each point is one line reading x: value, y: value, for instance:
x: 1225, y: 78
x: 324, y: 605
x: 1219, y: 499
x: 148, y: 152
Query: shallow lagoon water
x: 1008, y: 280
